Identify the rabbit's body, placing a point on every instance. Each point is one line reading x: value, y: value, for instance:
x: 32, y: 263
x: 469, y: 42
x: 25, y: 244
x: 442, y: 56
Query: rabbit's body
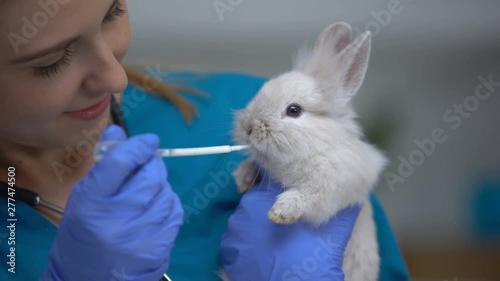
x: 321, y: 184
x: 361, y: 258
x: 302, y: 131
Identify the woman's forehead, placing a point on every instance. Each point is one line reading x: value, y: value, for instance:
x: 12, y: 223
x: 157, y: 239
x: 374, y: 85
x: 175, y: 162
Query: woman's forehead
x: 27, y: 25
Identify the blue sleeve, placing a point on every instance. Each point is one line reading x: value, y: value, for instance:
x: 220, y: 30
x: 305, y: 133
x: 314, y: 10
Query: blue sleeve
x: 392, y: 267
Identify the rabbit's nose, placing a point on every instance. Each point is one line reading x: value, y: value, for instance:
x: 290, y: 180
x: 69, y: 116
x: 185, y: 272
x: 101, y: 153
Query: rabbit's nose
x: 249, y: 131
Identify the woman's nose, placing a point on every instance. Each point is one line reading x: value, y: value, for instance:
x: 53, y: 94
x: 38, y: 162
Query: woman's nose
x: 106, y: 75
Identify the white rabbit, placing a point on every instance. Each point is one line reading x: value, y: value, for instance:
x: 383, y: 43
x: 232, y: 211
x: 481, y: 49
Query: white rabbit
x: 302, y: 131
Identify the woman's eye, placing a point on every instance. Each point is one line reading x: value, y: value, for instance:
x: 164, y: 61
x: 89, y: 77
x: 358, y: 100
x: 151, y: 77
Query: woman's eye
x: 52, y: 70
x: 117, y: 12
x: 294, y: 110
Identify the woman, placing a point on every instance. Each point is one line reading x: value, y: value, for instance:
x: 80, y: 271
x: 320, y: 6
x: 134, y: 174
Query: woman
x: 60, y: 65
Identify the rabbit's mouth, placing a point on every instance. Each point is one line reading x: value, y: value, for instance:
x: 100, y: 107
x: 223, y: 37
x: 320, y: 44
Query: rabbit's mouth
x: 261, y: 139
x: 255, y: 132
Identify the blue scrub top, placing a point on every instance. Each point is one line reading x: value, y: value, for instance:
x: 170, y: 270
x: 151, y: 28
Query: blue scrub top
x: 203, y: 183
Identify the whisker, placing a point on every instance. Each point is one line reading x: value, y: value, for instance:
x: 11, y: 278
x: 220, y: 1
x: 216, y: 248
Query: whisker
x: 259, y: 168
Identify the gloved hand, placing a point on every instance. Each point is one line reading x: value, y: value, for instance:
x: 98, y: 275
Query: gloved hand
x: 121, y: 220
x: 255, y: 248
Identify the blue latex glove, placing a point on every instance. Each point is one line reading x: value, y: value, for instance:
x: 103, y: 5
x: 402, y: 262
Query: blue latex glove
x: 121, y: 220
x: 255, y: 248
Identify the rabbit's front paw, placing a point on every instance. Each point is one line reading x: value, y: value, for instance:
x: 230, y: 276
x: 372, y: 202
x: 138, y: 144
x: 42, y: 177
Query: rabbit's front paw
x: 245, y: 176
x: 287, y: 209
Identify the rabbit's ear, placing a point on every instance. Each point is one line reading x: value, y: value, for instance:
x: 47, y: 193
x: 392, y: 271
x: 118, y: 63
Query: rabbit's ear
x: 350, y: 67
x: 334, y: 38
x: 330, y: 42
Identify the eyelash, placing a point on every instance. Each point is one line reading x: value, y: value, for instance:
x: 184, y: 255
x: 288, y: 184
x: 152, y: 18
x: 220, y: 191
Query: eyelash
x: 54, y: 69
x: 117, y: 12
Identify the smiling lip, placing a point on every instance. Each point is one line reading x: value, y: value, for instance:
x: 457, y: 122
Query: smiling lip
x: 90, y: 113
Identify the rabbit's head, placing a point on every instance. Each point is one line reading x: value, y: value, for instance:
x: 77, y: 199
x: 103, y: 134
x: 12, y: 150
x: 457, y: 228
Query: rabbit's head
x: 307, y: 109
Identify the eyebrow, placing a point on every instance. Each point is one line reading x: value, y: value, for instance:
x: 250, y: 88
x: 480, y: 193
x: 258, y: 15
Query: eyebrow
x: 55, y: 48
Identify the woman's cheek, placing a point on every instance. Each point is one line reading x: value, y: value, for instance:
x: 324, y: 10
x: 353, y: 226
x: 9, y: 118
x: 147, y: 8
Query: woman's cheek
x: 117, y: 35
x: 125, y: 36
x: 37, y: 104
x: 124, y: 45
x: 32, y: 101
x: 54, y: 97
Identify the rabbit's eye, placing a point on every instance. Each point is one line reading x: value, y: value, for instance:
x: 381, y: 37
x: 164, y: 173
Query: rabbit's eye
x: 294, y: 110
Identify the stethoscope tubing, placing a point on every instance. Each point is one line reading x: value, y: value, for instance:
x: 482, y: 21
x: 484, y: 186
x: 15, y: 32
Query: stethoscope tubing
x: 33, y: 199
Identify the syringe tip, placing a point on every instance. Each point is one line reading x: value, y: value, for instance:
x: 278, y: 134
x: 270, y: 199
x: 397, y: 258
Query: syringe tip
x: 239, y: 147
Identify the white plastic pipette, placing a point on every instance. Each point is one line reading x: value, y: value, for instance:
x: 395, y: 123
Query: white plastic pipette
x: 103, y: 147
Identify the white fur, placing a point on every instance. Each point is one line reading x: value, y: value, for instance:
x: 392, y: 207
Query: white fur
x: 320, y: 158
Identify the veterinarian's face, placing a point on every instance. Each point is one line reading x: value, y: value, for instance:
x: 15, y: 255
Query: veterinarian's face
x: 57, y: 58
